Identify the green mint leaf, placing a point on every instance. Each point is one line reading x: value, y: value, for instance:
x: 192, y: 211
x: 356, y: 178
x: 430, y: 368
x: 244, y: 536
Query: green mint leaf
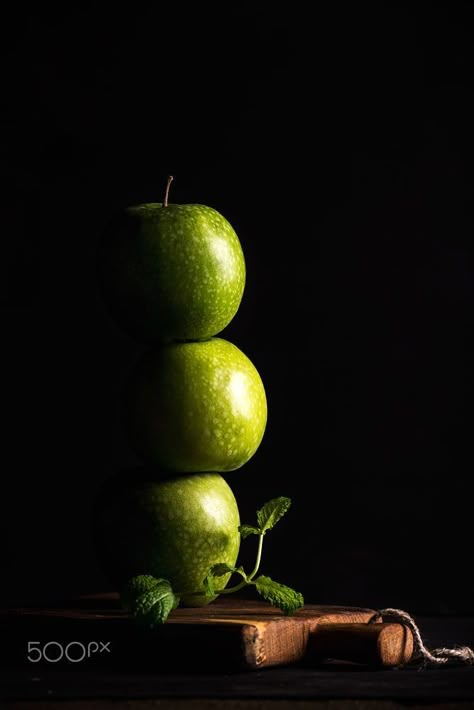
x: 222, y: 568
x: 219, y: 570
x: 149, y: 600
x: 136, y: 588
x: 279, y: 595
x: 270, y: 514
x: 246, y: 530
x: 164, y: 604
x: 209, y: 586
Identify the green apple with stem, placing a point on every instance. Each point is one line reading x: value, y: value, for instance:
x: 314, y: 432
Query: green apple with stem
x: 171, y: 271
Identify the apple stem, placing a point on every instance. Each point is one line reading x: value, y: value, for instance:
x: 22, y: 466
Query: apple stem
x: 170, y: 180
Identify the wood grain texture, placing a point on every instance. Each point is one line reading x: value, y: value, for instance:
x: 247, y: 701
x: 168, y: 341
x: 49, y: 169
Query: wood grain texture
x: 230, y: 633
x: 377, y: 645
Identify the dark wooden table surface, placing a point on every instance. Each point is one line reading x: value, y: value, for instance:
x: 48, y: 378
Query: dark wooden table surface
x: 82, y: 685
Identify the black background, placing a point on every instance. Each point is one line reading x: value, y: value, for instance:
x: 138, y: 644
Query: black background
x: 339, y: 144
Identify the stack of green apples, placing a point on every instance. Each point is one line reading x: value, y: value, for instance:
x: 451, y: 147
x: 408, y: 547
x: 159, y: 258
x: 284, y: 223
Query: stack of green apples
x: 173, y: 276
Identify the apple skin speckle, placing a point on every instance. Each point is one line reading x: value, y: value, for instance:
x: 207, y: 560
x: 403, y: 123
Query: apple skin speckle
x: 171, y: 273
x: 197, y: 406
x: 194, y: 405
x: 175, y: 528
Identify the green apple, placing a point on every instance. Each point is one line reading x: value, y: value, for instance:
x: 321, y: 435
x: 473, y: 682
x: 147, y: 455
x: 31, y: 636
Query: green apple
x: 175, y: 529
x: 197, y: 406
x: 171, y: 272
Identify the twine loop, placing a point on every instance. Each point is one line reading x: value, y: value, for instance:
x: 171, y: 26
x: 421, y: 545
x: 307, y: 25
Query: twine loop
x: 437, y: 656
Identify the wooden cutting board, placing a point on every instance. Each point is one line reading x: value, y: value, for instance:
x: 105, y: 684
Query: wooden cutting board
x: 229, y: 634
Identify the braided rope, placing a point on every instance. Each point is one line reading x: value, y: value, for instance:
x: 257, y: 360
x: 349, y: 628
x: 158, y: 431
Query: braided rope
x: 437, y: 656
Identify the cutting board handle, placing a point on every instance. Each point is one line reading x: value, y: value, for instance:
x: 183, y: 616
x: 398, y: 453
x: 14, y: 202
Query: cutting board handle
x: 385, y: 645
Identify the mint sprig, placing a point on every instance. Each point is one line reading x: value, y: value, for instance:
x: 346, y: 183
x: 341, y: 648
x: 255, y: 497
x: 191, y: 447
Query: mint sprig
x: 151, y: 600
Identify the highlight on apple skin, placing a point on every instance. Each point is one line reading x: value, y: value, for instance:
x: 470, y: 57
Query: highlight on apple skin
x: 173, y: 527
x: 197, y: 406
x: 171, y: 273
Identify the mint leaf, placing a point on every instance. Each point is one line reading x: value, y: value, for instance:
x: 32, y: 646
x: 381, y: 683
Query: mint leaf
x: 149, y: 600
x: 270, y: 514
x: 219, y: 570
x: 209, y: 588
x: 222, y: 568
x: 246, y: 530
x: 135, y: 589
x: 279, y: 595
x: 165, y: 602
